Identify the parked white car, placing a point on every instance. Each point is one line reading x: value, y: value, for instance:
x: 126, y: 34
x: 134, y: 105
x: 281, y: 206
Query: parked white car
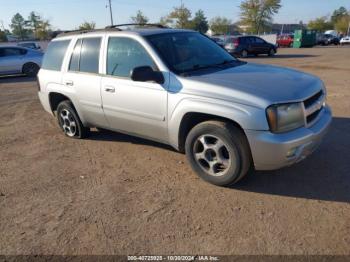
x: 345, y: 40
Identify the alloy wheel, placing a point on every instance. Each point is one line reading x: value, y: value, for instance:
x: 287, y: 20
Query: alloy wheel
x: 212, y: 155
x: 68, y: 123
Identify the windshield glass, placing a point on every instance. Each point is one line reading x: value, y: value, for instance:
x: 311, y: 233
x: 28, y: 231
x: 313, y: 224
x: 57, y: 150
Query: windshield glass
x: 189, y: 51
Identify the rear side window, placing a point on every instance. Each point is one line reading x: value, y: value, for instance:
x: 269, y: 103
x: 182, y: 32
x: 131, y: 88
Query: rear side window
x: 13, y: 52
x: 259, y: 40
x: 54, y: 55
x: 244, y: 40
x: 90, y: 55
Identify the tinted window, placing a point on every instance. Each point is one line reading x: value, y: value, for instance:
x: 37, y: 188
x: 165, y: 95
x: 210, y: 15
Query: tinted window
x: 244, y: 40
x: 89, y: 55
x: 259, y: 40
x: 54, y: 55
x: 74, y: 61
x: 13, y: 51
x: 124, y: 54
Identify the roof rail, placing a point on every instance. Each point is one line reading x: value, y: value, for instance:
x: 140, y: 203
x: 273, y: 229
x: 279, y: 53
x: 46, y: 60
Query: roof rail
x: 111, y: 27
x: 141, y: 25
x: 78, y: 32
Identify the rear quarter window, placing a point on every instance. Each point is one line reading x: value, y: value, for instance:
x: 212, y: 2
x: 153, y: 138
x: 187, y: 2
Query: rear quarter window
x: 54, y: 55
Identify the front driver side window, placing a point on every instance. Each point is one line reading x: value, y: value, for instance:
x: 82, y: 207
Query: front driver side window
x: 124, y: 54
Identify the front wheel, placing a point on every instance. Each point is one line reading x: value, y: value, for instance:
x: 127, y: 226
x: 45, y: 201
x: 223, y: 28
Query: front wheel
x: 218, y: 152
x: 69, y: 121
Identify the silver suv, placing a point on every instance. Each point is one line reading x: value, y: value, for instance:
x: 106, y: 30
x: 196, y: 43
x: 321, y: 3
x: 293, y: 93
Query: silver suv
x: 180, y: 88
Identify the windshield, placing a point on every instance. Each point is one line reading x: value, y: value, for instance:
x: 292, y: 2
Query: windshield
x: 189, y: 51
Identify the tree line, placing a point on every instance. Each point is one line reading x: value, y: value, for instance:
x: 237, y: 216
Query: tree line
x: 339, y: 21
x: 34, y: 26
x: 256, y: 16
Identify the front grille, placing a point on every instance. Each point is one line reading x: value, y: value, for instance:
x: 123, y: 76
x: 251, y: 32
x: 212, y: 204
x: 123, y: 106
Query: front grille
x: 313, y: 107
x: 308, y: 102
x: 313, y: 116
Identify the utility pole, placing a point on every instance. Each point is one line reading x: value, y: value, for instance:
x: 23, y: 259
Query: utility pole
x: 348, y: 33
x: 110, y: 11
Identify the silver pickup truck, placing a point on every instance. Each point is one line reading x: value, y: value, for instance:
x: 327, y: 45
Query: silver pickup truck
x: 180, y: 88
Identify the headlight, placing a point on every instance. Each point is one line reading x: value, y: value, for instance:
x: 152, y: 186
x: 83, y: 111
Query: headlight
x: 285, y: 117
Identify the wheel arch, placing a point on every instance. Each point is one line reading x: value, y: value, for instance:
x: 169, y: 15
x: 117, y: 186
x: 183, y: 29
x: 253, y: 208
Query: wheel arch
x: 191, y: 119
x: 192, y: 111
x: 56, y: 97
x: 29, y: 62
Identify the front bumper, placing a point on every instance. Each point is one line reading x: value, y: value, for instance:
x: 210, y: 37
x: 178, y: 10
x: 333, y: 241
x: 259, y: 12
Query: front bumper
x: 273, y: 151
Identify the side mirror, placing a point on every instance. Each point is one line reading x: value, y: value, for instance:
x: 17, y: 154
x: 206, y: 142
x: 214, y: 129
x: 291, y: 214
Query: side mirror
x: 146, y: 74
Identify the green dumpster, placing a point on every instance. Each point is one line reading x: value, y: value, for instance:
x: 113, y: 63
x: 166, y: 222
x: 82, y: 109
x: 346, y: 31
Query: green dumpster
x: 304, y: 38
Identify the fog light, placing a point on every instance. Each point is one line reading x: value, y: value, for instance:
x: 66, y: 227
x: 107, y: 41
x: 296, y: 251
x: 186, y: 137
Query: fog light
x: 291, y: 152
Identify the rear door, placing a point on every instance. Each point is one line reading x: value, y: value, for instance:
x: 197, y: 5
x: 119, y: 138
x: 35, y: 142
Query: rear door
x: 251, y: 44
x: 261, y: 45
x: 83, y: 78
x: 138, y: 108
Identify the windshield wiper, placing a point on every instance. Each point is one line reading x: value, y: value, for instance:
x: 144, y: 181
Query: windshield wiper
x: 198, y: 67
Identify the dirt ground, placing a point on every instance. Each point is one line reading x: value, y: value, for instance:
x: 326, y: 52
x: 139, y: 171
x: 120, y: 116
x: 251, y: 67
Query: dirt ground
x: 115, y: 194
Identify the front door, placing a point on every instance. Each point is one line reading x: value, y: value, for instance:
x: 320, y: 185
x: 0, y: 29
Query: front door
x: 138, y: 108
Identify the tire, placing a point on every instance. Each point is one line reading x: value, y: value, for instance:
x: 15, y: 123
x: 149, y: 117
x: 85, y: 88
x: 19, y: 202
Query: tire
x: 70, y: 122
x: 272, y: 52
x: 30, y: 69
x: 218, y: 152
x: 244, y: 53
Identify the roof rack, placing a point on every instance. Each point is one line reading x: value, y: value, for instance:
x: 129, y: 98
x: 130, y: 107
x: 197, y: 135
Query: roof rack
x: 111, y: 27
x: 78, y: 32
x: 141, y: 25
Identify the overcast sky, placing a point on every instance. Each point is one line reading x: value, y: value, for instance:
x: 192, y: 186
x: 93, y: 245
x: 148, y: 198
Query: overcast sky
x: 68, y: 14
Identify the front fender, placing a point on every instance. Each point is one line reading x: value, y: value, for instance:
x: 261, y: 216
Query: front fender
x: 248, y: 117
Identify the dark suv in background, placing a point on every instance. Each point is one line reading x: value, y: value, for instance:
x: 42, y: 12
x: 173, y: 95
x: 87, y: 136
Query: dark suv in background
x: 246, y: 45
x: 327, y: 39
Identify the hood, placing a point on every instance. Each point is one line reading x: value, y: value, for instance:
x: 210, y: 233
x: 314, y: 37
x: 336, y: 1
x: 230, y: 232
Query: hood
x: 254, y: 84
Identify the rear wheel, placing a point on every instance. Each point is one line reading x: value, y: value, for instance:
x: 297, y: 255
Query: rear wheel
x: 30, y: 69
x: 244, y: 53
x: 69, y: 121
x: 218, y: 152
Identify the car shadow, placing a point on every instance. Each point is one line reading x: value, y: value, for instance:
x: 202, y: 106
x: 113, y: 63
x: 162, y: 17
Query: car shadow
x: 283, y: 56
x: 325, y: 175
x: 16, y: 79
x: 106, y: 135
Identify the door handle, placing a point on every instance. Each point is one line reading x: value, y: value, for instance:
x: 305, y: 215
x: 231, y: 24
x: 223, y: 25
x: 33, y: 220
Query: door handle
x: 110, y: 89
x: 69, y: 83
